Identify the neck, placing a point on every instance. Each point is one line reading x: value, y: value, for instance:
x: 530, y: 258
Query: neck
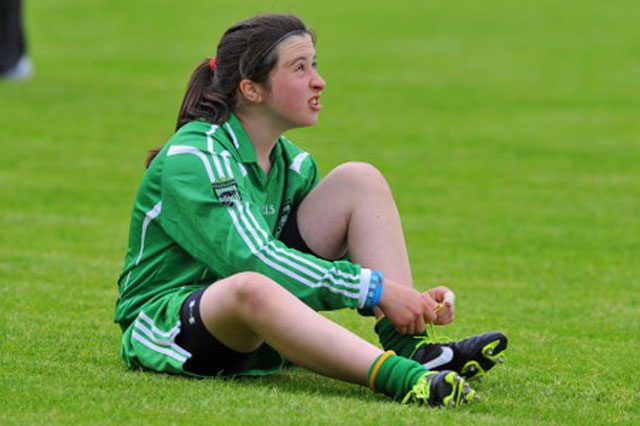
x: 262, y: 133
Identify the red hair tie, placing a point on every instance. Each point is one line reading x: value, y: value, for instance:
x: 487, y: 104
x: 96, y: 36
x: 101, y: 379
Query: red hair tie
x: 212, y: 63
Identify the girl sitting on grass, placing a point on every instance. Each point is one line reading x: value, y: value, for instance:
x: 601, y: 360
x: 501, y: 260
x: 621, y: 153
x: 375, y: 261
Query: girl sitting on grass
x: 236, y: 243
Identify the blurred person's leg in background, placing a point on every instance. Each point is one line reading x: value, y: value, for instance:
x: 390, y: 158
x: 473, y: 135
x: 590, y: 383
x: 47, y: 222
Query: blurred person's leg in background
x: 14, y: 63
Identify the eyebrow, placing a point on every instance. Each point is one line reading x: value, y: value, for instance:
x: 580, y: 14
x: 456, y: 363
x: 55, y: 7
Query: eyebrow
x: 302, y: 57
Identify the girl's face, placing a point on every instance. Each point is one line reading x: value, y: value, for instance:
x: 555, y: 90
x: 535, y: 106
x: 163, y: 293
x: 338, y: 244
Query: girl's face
x: 293, y: 96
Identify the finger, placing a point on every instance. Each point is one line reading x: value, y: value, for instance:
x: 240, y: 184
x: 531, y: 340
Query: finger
x: 425, y: 297
x: 431, y: 304
x: 438, y: 292
x: 445, y: 311
x: 419, y: 323
x: 424, y: 305
x: 429, y: 316
x: 441, y: 317
x: 449, y: 315
x: 445, y: 319
x: 449, y: 298
x: 411, y: 329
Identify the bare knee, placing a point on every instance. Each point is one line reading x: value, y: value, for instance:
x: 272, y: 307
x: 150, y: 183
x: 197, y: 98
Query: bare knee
x: 254, y: 293
x: 360, y: 176
x: 230, y: 308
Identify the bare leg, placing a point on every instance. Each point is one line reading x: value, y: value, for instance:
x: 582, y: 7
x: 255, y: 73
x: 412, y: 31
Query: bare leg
x: 247, y: 309
x: 353, y: 209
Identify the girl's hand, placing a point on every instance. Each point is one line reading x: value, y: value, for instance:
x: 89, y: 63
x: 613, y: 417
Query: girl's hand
x: 407, y: 309
x: 445, y: 297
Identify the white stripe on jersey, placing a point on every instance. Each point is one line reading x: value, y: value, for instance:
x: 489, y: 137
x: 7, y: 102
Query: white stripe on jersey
x: 270, y: 245
x: 233, y: 135
x: 256, y: 252
x: 211, y: 150
x: 297, y: 162
x: 285, y: 271
x: 151, y: 214
x: 209, y: 134
x: 186, y: 149
x: 126, y: 282
x: 264, y: 247
x: 225, y: 155
x: 364, y: 289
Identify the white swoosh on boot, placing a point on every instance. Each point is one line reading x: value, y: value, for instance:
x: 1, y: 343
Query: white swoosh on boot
x: 446, y: 355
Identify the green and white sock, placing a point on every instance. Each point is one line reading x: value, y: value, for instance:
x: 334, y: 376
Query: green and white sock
x: 394, y: 375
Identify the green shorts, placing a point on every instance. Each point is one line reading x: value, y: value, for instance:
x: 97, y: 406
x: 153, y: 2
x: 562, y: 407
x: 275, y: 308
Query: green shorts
x: 149, y: 342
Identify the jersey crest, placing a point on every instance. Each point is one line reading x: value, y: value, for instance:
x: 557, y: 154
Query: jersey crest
x: 227, y: 192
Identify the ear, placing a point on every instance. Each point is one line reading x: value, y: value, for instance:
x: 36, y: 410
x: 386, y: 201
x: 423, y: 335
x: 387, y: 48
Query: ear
x: 251, y: 91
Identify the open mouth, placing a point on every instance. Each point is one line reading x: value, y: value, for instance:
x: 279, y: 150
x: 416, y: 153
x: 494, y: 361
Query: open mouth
x: 314, y: 103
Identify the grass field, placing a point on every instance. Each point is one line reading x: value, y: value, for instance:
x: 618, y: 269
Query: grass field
x: 509, y: 132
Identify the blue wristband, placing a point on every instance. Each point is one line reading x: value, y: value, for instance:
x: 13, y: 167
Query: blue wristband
x: 375, y: 290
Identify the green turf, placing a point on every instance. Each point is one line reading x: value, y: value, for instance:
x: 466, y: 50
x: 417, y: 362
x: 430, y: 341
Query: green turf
x: 510, y: 134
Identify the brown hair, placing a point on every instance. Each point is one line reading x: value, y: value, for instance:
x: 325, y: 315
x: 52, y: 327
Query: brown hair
x: 247, y: 50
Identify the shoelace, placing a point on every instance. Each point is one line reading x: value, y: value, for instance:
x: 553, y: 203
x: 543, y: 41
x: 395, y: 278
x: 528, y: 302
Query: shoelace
x: 432, y: 336
x: 420, y: 391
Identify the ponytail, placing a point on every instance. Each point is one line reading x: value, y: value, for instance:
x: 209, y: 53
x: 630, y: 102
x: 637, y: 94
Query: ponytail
x: 201, y: 101
x: 152, y: 154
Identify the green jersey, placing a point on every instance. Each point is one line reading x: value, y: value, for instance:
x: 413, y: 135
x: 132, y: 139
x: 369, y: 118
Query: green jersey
x: 206, y: 210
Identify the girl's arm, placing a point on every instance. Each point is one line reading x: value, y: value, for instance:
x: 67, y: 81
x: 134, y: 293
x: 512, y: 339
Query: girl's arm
x: 212, y: 218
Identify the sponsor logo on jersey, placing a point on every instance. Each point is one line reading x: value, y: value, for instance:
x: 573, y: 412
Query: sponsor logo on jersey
x: 268, y: 209
x: 227, y: 192
x: 285, y: 210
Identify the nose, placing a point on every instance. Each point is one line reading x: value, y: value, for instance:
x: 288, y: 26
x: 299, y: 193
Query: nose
x: 317, y: 82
